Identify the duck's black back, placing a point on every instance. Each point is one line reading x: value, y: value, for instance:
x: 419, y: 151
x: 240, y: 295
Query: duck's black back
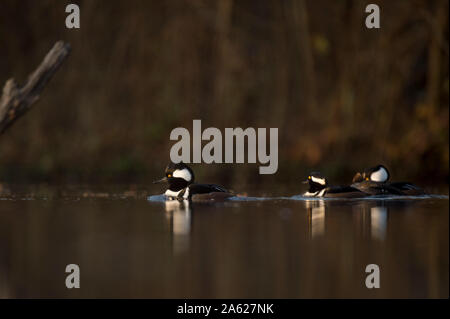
x: 206, y: 188
x: 344, y: 192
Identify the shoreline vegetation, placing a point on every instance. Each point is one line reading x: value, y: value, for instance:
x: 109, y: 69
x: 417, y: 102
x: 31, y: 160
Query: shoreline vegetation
x: 343, y: 97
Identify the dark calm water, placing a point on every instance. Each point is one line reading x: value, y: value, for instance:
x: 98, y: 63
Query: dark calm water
x: 128, y: 245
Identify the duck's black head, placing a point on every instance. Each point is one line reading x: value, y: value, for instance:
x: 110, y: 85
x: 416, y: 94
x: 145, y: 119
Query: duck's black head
x: 178, y: 176
x: 316, y: 182
x: 378, y: 173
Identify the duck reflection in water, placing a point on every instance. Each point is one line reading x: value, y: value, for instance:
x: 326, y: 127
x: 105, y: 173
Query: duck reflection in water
x: 316, y: 217
x: 179, y: 218
x: 378, y: 222
x: 371, y: 219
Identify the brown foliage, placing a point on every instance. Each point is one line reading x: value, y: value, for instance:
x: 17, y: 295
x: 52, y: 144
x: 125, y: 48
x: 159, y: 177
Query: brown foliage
x: 343, y: 97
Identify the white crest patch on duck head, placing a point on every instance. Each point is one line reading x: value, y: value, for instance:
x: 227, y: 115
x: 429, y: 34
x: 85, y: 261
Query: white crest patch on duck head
x: 380, y: 175
x: 183, y: 173
x: 319, y: 180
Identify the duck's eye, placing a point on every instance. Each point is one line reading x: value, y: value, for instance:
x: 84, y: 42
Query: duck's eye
x: 169, y: 175
x: 309, y: 177
x: 367, y: 178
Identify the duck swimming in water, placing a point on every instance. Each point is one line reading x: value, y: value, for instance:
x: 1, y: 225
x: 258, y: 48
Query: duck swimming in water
x: 180, y: 179
x: 375, y: 181
x: 318, y: 187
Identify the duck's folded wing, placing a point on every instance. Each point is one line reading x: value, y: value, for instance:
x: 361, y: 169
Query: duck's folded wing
x: 206, y: 188
x: 375, y: 188
x: 407, y: 188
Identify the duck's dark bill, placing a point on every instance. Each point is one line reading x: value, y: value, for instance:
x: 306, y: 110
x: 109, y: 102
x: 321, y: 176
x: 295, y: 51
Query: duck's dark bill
x: 162, y: 180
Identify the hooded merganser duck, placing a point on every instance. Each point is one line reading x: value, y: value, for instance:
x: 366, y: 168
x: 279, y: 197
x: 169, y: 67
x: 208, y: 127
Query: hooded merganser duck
x: 374, y: 181
x: 318, y: 187
x: 180, y: 178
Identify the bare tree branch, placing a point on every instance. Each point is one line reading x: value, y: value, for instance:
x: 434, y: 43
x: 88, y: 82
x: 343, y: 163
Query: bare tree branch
x: 16, y: 100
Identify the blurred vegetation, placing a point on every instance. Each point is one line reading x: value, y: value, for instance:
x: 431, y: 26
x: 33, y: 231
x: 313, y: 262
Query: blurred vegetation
x: 343, y: 97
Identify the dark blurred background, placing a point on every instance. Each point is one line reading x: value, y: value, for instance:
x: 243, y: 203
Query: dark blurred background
x: 344, y: 97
